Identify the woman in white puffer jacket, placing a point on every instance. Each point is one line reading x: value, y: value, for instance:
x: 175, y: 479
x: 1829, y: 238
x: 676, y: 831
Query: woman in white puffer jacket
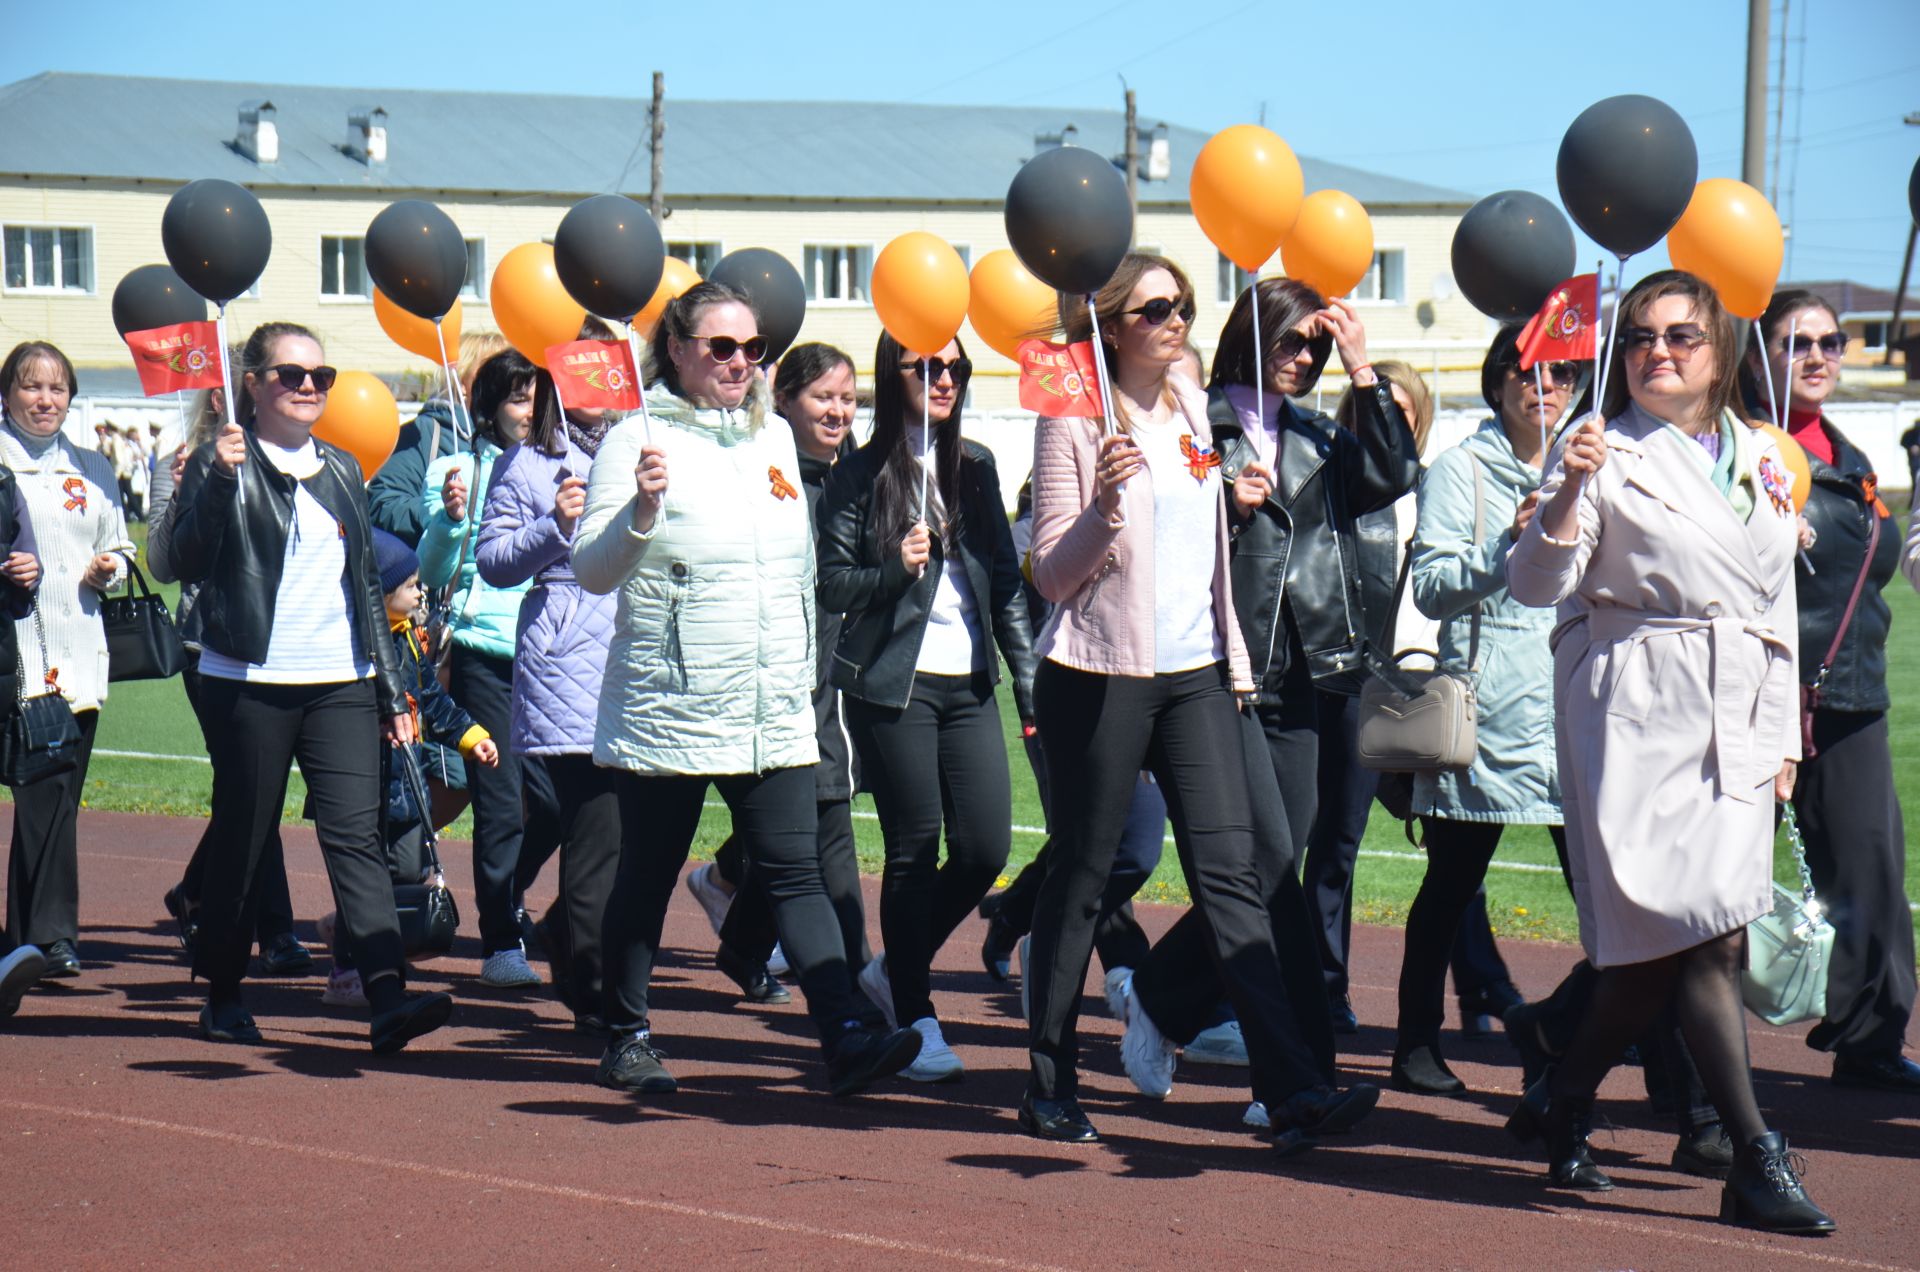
x: 710, y: 676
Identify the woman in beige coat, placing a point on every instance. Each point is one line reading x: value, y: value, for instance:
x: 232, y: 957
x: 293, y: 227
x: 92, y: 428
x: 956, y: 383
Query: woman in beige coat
x: 1666, y: 537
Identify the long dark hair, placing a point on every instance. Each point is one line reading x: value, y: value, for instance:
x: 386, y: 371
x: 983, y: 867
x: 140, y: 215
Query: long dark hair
x: 548, y: 435
x: 497, y: 380
x: 896, y: 485
x: 1784, y: 305
x: 1284, y: 304
x: 1707, y: 311
x: 253, y: 360
x: 679, y: 320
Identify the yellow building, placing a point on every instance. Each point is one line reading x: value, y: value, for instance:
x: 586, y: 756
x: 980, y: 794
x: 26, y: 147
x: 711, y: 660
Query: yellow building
x: 88, y: 162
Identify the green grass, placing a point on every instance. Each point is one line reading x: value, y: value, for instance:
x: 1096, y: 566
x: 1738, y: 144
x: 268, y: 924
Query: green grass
x: 153, y: 718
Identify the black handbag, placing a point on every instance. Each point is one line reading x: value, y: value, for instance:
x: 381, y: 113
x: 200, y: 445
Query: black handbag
x: 41, y: 738
x: 429, y: 918
x: 142, y: 643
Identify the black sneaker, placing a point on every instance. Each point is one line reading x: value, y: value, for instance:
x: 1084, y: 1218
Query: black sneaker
x: 632, y: 1063
x: 863, y: 1057
x: 756, y: 984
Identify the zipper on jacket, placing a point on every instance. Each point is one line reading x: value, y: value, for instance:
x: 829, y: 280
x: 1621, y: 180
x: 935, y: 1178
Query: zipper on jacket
x: 676, y: 652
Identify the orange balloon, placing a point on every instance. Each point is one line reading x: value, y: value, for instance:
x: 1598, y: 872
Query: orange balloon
x: 361, y: 418
x: 416, y: 334
x: 1007, y: 304
x: 1730, y: 236
x: 1795, y: 458
x: 1331, y: 246
x: 675, y: 279
x: 920, y: 291
x: 1246, y: 193
x: 531, y: 307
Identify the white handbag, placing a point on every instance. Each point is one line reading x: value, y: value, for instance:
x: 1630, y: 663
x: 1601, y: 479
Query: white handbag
x: 1789, y: 949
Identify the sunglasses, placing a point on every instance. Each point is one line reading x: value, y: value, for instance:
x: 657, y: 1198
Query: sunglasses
x: 722, y: 348
x: 292, y: 376
x: 1159, y: 309
x: 1292, y: 344
x: 933, y: 368
x: 1556, y: 373
x: 1681, y: 340
x: 1832, y: 346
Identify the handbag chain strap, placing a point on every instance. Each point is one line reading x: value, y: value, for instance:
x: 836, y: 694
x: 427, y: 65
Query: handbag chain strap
x: 1388, y: 668
x: 1799, y: 851
x: 20, y: 661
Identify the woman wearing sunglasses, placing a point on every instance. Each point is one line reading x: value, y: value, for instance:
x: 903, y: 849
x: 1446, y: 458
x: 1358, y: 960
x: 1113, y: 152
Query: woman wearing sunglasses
x: 1141, y: 661
x: 295, y: 663
x: 1666, y: 536
x: 929, y: 593
x: 1848, y: 809
x: 696, y: 519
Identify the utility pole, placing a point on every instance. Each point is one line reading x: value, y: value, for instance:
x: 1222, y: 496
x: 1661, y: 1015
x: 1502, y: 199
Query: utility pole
x: 1133, y: 157
x: 656, y: 192
x: 1896, y: 324
x: 1753, y: 163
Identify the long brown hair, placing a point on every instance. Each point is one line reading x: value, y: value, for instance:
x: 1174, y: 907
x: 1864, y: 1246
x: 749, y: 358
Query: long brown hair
x: 1110, y: 302
x: 1285, y: 303
x: 1724, y: 344
x: 1784, y: 305
x: 896, y: 483
x: 1410, y: 382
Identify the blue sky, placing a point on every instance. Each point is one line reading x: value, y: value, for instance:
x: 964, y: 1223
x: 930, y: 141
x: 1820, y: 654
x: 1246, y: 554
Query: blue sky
x: 1471, y: 96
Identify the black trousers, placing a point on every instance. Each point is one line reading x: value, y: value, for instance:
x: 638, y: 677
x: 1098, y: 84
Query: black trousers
x: 483, y: 685
x: 1099, y: 732
x: 1179, y: 985
x: 43, y: 868
x: 1458, y: 853
x: 254, y: 733
x: 585, y: 800
x: 1856, y: 847
x: 749, y: 929
x: 940, y: 760
x: 774, y: 815
x: 543, y: 824
x: 276, y: 900
x: 1343, y: 801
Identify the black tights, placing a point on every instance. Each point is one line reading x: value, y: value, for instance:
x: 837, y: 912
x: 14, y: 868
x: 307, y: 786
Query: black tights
x: 1704, y: 984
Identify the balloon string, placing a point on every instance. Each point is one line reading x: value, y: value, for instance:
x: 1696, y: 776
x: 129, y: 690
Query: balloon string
x: 1609, y: 325
x: 1786, y: 398
x: 454, y: 397
x: 1107, y: 404
x: 226, y: 385
x: 1540, y: 397
x: 926, y: 430
x: 646, y: 416
x: 1259, y: 371
x: 1773, y: 404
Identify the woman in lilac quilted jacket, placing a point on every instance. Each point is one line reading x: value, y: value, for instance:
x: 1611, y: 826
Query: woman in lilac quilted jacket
x: 537, y: 494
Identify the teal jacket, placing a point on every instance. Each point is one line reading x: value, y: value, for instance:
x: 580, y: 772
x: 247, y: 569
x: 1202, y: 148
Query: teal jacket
x: 484, y: 618
x: 1514, y: 778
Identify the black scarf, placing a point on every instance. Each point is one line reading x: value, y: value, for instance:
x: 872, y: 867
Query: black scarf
x: 588, y: 436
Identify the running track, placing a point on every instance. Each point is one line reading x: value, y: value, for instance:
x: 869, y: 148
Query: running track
x: 130, y: 1143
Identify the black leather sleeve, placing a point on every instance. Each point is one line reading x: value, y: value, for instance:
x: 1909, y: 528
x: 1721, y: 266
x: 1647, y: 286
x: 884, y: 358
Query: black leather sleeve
x: 205, y: 502
x: 1012, y: 631
x: 847, y: 581
x: 1379, y: 462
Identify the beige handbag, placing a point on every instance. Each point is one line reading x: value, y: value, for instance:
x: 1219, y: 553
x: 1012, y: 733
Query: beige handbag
x: 1420, y: 721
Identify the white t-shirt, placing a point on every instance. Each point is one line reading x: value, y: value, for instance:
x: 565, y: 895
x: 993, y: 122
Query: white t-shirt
x: 952, y: 645
x: 314, y: 640
x: 1186, y: 528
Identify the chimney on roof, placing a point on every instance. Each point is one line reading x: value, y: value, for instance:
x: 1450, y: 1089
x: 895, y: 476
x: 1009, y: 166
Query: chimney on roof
x: 1068, y: 136
x: 259, y: 137
x: 367, y: 136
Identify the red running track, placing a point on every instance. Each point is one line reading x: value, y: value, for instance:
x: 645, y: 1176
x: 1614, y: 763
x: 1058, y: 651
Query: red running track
x: 129, y: 1142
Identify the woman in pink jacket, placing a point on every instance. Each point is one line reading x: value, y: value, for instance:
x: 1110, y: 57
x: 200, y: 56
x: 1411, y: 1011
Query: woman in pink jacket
x: 1140, y: 662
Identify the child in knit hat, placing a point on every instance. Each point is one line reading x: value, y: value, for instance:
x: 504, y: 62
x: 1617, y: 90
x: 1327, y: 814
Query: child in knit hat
x: 436, y: 716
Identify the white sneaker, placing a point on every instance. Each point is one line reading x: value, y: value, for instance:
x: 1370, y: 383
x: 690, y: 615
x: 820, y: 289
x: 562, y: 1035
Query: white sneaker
x: 1222, y: 1044
x: 1119, y: 987
x: 876, y: 986
x: 1256, y: 1115
x: 777, y: 964
x: 705, y: 885
x: 509, y: 969
x: 344, y: 989
x: 936, y: 1061
x: 1146, y: 1054
x: 1026, y: 961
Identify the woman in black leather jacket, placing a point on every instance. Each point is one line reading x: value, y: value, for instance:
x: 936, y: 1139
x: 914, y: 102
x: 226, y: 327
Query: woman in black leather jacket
x: 296, y: 662
x: 1848, y: 807
x: 916, y: 662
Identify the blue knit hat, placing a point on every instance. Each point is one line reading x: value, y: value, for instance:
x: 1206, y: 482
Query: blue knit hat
x: 397, y: 561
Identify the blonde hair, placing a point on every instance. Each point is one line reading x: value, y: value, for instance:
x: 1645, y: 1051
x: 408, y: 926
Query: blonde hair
x: 475, y: 348
x: 1410, y: 382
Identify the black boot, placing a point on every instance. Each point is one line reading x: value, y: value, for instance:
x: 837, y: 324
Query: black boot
x: 1764, y: 1191
x: 1421, y: 1070
x: 1565, y: 1124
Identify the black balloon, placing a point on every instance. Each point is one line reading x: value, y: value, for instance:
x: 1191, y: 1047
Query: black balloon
x: 1627, y: 170
x: 216, y: 238
x: 1510, y: 251
x: 154, y: 296
x: 1069, y: 219
x: 1913, y: 192
x: 779, y: 297
x: 609, y: 255
x: 417, y: 257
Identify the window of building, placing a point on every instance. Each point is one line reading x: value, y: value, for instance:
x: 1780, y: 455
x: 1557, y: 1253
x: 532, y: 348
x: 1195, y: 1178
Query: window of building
x: 702, y: 256
x: 474, y: 286
x: 343, y: 268
x: 49, y: 258
x: 1873, y: 335
x: 1386, y: 281
x: 1230, y: 280
x: 839, y: 272
x: 966, y: 254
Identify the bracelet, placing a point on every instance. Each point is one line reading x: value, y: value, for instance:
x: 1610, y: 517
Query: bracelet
x: 1364, y: 366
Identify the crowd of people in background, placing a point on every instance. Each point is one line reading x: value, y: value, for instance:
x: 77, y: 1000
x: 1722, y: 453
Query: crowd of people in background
x: 580, y: 625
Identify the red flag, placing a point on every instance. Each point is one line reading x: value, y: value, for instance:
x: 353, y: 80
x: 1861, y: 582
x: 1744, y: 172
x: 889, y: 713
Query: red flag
x: 1564, y: 329
x: 1059, y: 380
x: 183, y: 356
x: 594, y: 375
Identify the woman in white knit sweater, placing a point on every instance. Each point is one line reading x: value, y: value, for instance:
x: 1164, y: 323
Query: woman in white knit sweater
x: 73, y: 501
